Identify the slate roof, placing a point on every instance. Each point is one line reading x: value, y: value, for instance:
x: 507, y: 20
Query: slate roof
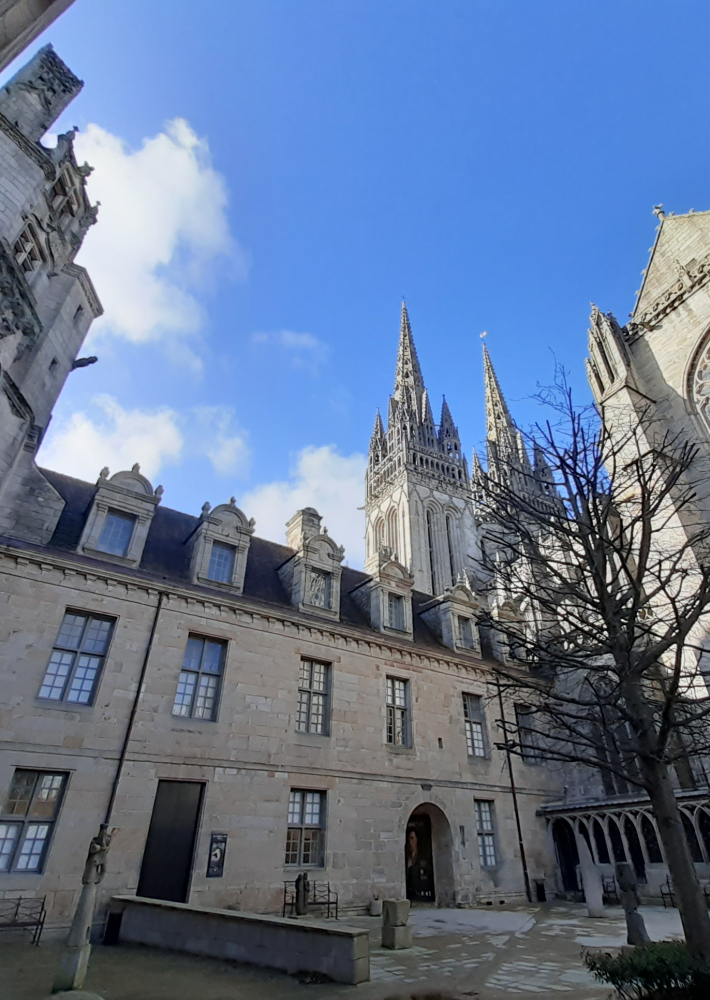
x: 166, y: 559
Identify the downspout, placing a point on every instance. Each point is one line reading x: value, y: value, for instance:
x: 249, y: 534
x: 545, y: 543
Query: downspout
x: 514, y: 793
x: 134, y: 712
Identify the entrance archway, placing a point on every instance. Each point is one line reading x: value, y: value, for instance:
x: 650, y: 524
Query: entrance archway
x: 428, y: 860
x: 567, y: 854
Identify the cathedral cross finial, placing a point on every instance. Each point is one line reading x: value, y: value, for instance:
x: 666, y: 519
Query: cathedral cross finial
x: 658, y: 211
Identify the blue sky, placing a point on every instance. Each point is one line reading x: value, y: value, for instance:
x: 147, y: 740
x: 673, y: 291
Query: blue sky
x: 496, y: 162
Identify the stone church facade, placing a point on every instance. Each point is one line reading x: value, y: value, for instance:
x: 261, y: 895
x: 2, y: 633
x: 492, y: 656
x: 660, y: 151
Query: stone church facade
x: 237, y: 710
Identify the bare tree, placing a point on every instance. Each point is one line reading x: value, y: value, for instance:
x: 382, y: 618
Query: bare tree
x: 600, y: 595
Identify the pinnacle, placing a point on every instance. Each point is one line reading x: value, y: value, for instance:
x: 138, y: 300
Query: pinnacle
x: 499, y: 423
x: 409, y: 384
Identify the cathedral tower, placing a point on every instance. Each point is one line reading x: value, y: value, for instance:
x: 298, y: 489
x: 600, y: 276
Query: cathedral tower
x: 419, y: 501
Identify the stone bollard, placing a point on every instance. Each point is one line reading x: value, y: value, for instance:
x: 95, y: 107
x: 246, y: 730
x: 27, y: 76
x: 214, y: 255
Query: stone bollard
x: 376, y: 907
x: 395, y: 933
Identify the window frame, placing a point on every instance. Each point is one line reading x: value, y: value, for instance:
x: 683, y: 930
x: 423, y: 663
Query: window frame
x: 529, y: 751
x: 121, y: 515
x: 302, y: 826
x: 27, y: 241
x: 78, y: 652
x: 461, y: 622
x: 24, y: 822
x: 398, y: 599
x: 233, y: 551
x: 392, y: 708
x: 309, y: 691
x: 472, y: 718
x: 198, y: 674
x: 486, y: 835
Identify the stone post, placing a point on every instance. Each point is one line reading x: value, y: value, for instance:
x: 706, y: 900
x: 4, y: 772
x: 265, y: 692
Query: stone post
x: 591, y: 880
x: 636, y: 932
x: 395, y: 933
x: 75, y: 956
x: 302, y: 891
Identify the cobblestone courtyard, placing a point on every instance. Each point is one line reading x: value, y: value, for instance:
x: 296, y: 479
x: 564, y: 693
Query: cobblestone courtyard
x: 456, y: 954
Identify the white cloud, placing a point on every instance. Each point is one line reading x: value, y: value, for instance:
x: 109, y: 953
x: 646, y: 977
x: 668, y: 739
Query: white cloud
x: 306, y: 350
x: 113, y: 436
x: 162, y: 227
x: 332, y: 483
x: 226, y: 447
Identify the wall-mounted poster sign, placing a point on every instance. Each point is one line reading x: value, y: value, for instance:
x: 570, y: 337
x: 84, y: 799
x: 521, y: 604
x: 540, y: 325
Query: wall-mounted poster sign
x: 215, y: 861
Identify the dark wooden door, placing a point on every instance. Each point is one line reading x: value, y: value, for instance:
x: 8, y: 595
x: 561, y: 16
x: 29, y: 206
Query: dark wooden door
x: 167, y: 859
x: 418, y: 860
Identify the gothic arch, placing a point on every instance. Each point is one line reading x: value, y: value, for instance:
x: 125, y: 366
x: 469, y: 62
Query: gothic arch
x: 393, y: 531
x: 698, y: 382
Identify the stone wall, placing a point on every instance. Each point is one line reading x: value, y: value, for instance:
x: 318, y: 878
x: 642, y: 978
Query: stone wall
x: 252, y: 756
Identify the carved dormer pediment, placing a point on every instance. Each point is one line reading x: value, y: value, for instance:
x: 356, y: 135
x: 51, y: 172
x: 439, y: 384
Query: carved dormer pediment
x: 120, y: 516
x: 454, y: 616
x: 312, y: 575
x: 387, y: 597
x: 220, y: 546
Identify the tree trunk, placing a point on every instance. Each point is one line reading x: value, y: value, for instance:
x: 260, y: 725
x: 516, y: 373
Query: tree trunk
x: 691, y: 900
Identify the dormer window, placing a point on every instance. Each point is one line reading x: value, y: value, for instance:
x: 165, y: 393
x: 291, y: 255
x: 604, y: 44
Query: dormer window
x: 311, y: 576
x: 320, y: 588
x: 65, y: 196
x: 395, y: 607
x: 116, y: 534
x: 221, y: 567
x: 29, y: 252
x: 219, y: 546
x: 120, y: 516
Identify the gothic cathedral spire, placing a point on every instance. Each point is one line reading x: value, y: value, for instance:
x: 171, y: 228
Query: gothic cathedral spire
x: 418, y: 491
x: 408, y: 382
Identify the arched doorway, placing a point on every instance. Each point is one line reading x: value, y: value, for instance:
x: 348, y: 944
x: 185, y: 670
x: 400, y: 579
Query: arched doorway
x: 567, y: 854
x: 428, y: 860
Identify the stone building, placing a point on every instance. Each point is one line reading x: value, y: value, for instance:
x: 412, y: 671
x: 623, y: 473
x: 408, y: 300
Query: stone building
x: 236, y: 709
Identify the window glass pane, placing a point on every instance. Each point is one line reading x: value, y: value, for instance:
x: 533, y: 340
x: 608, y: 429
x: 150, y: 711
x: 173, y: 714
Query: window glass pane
x: 70, y: 631
x: 293, y: 847
x: 486, y: 849
x: 82, y: 685
x: 294, y: 807
x: 312, y: 847
x: 20, y: 794
x: 396, y: 611
x: 184, y: 693
x: 32, y: 847
x: 97, y: 636
x: 47, y: 795
x: 474, y: 739
x: 465, y: 633
x: 116, y: 533
x: 56, y: 676
x: 311, y: 816
x: 8, y: 838
x: 318, y: 682
x: 212, y: 660
x: 206, y: 696
x: 193, y: 653
x: 400, y: 696
x: 303, y: 711
x: 304, y: 676
x: 484, y: 815
x: 221, y: 567
x: 317, y: 713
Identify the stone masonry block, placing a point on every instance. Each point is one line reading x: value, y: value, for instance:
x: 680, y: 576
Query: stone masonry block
x: 396, y: 937
x: 395, y: 912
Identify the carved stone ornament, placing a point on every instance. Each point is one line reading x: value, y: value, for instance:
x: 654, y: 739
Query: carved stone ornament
x: 690, y: 277
x: 17, y: 312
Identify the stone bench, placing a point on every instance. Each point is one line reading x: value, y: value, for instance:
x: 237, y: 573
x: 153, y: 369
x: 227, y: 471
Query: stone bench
x: 337, y: 951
